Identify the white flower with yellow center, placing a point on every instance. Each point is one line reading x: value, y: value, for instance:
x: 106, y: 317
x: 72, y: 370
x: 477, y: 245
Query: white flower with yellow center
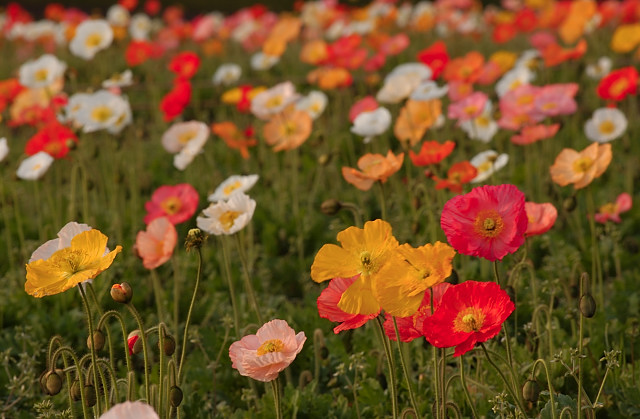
x: 179, y: 135
x: 233, y: 185
x: 103, y: 110
x: 482, y: 127
x: 429, y: 90
x: 140, y: 27
x: 261, y: 61
x: 227, y: 217
x: 117, y: 15
x: 185, y: 156
x: 314, y: 103
x: 606, y: 124
x: 41, y: 72
x: 488, y: 162
x: 516, y: 77
x: 227, y: 74
x: 34, y: 167
x: 398, y: 86
x: 600, y: 69
x: 91, y: 36
x: 274, y: 100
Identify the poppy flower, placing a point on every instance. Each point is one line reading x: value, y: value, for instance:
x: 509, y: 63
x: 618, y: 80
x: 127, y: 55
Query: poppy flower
x: 54, y: 138
x: 415, y: 118
x: 314, y: 103
x: 34, y: 167
x: 328, y: 78
x: 138, y: 52
x: 84, y: 259
x: 541, y: 217
x: 41, y: 72
x: 91, y: 36
x: 227, y: 217
x: 262, y: 356
x: 532, y: 133
x: 178, y: 203
x: 436, y: 57
x: 483, y: 127
x: 174, y: 102
x: 328, y: 306
x: 233, y: 185
x: 411, y: 327
x: 468, y: 108
x: 432, y: 152
x: 155, y: 245
x: 272, y: 101
x: 373, y: 167
x: 130, y: 410
x: 612, y: 210
x: 601, y: 68
x: 185, y: 64
x: 581, y: 167
x: 234, y: 138
x: 401, y: 291
x: 241, y: 96
x: 287, y: 130
x: 369, y: 124
x: 606, y: 124
x: 465, y: 69
x: 488, y: 222
x: 362, y: 252
x: 314, y: 52
x: 469, y: 313
x: 458, y: 174
x: 618, y: 84
x: 488, y: 162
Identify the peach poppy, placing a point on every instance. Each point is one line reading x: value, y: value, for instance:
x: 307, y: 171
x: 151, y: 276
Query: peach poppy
x: 373, y: 167
x: 328, y: 78
x: 541, y: 218
x: 532, y: 133
x: 155, y: 245
x: 612, y: 210
x: 314, y: 52
x: 288, y: 129
x: 262, y: 356
x: 416, y: 116
x: 432, y: 152
x: 234, y: 138
x: 468, y: 108
x: 580, y: 168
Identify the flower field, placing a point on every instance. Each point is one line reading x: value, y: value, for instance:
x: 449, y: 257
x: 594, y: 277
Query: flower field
x: 391, y: 210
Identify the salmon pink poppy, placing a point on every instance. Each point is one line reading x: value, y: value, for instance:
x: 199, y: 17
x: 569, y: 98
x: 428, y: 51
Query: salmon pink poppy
x: 468, y: 108
x: 178, y: 203
x: 373, y: 167
x: 532, y: 133
x: 262, y: 356
x: 541, y: 217
x: 155, y: 245
x: 328, y: 306
x: 488, y: 222
x: 612, y: 210
x: 469, y: 313
x: 432, y: 152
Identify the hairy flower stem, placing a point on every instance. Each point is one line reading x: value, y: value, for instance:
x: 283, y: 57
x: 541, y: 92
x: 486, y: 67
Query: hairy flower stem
x: 94, y: 358
x: 392, y: 368
x: 383, y: 204
x: 596, y: 263
x: 157, y: 292
x: 405, y: 369
x: 552, y: 397
x: 463, y: 381
x: 186, y: 325
x: 580, y: 349
x: 275, y: 386
x: 506, y: 382
x: 145, y: 352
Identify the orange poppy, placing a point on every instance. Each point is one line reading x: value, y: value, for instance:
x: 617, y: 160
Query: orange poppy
x: 234, y: 138
x: 330, y: 77
x: 415, y: 118
x: 457, y: 175
x: 373, y: 167
x: 432, y: 152
x: 288, y: 129
x: 465, y: 68
x: 554, y: 54
x: 314, y: 52
x: 580, y: 168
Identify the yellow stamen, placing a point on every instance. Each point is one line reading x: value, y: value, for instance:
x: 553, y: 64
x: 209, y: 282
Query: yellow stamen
x: 271, y: 345
x: 228, y: 218
x: 469, y: 320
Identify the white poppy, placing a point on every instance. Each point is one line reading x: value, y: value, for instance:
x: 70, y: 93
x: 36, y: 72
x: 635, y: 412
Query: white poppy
x: 117, y: 15
x: 123, y: 79
x: 41, y: 72
x: 130, y: 410
x: 4, y: 148
x: 227, y: 217
x: 34, y: 167
x: 397, y: 88
x: 513, y: 78
x: 482, y: 127
x: 140, y: 26
x: 606, y: 124
x: 233, y: 185
x: 371, y: 123
x: 182, y: 133
x: 185, y: 156
x: 103, y: 110
x: 227, y: 74
x: 488, y: 162
x: 261, y: 61
x: 91, y: 37
x: 314, y: 103
x: 600, y: 69
x: 429, y: 90
x: 272, y: 101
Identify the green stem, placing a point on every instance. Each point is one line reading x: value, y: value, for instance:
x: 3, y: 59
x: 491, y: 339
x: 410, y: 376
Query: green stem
x: 186, y: 326
x: 275, y: 386
x: 157, y: 292
x: 392, y: 368
x: 83, y: 397
x: 405, y: 369
x: 580, y: 348
x: 552, y: 396
x: 596, y: 263
x: 466, y: 390
x: 383, y: 204
x: 145, y: 355
x: 93, y: 349
x: 247, y: 280
x: 504, y: 379
x: 232, y: 292
x: 507, y: 339
x: 100, y: 313
x: 604, y: 379
x: 117, y: 315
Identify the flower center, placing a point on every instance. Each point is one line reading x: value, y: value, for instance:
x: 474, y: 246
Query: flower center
x: 525, y: 100
x: 101, y: 113
x: 488, y: 224
x: 482, y: 121
x: 185, y: 137
x: 273, y: 102
x: 93, y: 40
x: 470, y: 110
x: 548, y: 106
x: 271, y: 345
x: 228, y: 218
x: 469, y: 320
x: 171, y: 205
x: 41, y: 75
x: 606, y: 127
x: 582, y: 164
x: 619, y: 86
x: 609, y: 208
x: 232, y: 187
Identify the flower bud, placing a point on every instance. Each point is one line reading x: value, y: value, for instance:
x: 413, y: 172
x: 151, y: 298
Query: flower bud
x: 531, y: 391
x: 324, y: 159
x: 330, y: 206
x: 175, y: 396
x: 98, y: 339
x: 90, y: 395
x: 587, y: 305
x: 76, y: 394
x: 51, y: 382
x: 195, y: 239
x: 169, y: 345
x: 134, y: 343
x: 570, y: 203
x: 121, y: 293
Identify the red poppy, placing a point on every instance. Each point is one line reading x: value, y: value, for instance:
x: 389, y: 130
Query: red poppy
x: 54, y: 138
x: 411, y: 327
x: 138, y: 52
x: 458, y: 174
x: 328, y: 306
x: 436, y: 57
x: 618, y: 84
x: 504, y: 32
x: 540, y: 217
x: 432, y: 152
x: 469, y: 313
x: 128, y: 4
x: 54, y: 11
x: 174, y: 102
x: 185, y: 64
x: 526, y: 20
x: 178, y: 203
x: 152, y: 7
x: 488, y: 222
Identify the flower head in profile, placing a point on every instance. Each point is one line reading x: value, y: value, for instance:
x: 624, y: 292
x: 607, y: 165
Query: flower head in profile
x: 84, y: 259
x: 233, y: 185
x: 178, y: 203
x: 234, y: 137
x: 612, y: 210
x: 469, y: 313
x: 34, y: 167
x: 432, y: 152
x: 362, y: 252
x: 401, y: 291
x: 581, y: 167
x: 130, y: 410
x: 227, y: 74
x: 262, y: 356
x: 373, y: 167
x: 488, y: 222
x: 227, y: 217
x: 411, y: 327
x: 328, y: 306
x: 180, y: 134
x: 155, y: 245
x: 541, y: 217
x: 487, y: 163
x: 272, y: 101
x: 369, y: 124
x: 185, y: 64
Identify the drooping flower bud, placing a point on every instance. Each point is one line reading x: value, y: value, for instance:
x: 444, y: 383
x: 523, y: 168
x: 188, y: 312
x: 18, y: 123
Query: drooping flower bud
x: 531, y: 391
x: 587, y: 305
x: 98, y: 339
x: 51, y: 382
x: 121, y: 293
x: 330, y: 206
x: 76, y: 394
x: 175, y: 396
x: 134, y: 343
x: 570, y: 203
x: 169, y: 345
x: 90, y: 396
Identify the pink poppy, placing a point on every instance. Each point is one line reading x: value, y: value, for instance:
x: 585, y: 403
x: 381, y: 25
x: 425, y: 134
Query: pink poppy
x: 458, y: 90
x: 488, y: 222
x: 395, y: 44
x: 155, y: 246
x: 411, y: 327
x: 541, y: 40
x: 262, y: 356
x: 366, y: 104
x: 612, y: 210
x: 520, y: 100
x: 532, y: 133
x: 540, y: 217
x: 328, y: 306
x: 556, y: 99
x: 468, y: 108
x: 178, y: 203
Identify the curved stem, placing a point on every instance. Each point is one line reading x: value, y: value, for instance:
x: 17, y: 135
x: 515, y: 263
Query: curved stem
x: 392, y: 368
x: 78, y: 366
x: 186, y: 325
x: 504, y: 379
x: 405, y: 369
x: 143, y: 336
x: 232, y: 291
x: 99, y: 310
x: 94, y: 358
x: 465, y: 389
x: 552, y: 397
x: 117, y: 315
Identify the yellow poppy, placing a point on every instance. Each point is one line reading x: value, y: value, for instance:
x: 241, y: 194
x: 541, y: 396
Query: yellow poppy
x: 68, y: 267
x: 400, y: 292
x: 364, y: 252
